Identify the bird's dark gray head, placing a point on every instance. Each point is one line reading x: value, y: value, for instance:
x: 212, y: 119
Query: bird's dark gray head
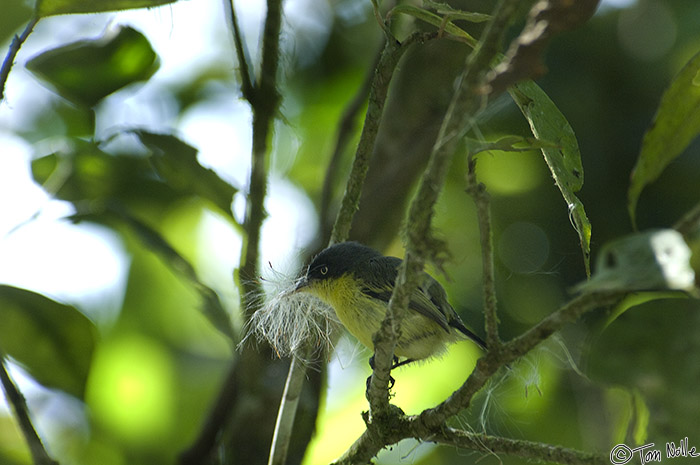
x: 339, y: 259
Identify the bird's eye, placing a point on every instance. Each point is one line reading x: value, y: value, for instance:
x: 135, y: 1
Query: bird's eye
x: 323, y: 270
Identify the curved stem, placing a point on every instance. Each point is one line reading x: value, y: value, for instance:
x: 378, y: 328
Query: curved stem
x: 9, y: 60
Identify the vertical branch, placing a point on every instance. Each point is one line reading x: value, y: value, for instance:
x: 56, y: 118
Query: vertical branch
x: 379, y: 89
x: 19, y: 405
x: 345, y: 129
x: 392, y: 53
x: 483, y: 213
x: 264, y: 100
x: 469, y: 97
x: 9, y: 60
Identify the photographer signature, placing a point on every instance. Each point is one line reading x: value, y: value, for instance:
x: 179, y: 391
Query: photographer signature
x: 622, y: 453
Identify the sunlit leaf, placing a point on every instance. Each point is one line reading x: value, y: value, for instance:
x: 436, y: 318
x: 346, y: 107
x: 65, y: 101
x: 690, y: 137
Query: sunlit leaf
x: 53, y: 341
x: 177, y: 163
x: 89, y: 70
x: 549, y: 124
x: 60, y: 7
x: 675, y: 125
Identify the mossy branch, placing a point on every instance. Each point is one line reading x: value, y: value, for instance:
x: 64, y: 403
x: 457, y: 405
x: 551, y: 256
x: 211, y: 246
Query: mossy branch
x: 420, y: 244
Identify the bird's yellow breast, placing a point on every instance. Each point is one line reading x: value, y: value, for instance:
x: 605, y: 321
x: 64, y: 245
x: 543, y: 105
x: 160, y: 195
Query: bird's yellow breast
x: 362, y: 316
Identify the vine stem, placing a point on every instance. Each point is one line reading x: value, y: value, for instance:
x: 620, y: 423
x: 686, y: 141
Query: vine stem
x: 19, y: 405
x: 9, y: 60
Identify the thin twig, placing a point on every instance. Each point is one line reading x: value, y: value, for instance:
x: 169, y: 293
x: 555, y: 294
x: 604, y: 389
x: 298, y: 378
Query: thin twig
x: 345, y: 129
x: 9, y: 60
x: 19, y: 405
x: 483, y: 214
x: 264, y: 103
x: 419, y: 244
x: 392, y: 53
x: 244, y: 61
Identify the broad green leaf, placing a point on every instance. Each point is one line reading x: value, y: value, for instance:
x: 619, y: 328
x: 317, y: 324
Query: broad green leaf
x: 87, y: 71
x: 61, y: 7
x: 436, y: 20
x: 85, y: 173
x: 549, y: 125
x: 177, y: 163
x: 53, y: 341
x: 675, y: 125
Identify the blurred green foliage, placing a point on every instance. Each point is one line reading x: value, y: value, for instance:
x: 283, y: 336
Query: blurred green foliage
x: 145, y: 385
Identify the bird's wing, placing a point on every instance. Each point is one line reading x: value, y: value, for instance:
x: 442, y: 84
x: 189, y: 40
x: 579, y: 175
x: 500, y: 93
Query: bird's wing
x: 428, y: 299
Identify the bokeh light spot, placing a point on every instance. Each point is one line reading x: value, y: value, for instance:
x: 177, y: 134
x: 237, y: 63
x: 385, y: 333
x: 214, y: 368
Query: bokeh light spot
x: 130, y: 389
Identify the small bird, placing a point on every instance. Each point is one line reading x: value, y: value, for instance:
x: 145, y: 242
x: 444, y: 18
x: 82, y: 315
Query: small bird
x: 357, y: 281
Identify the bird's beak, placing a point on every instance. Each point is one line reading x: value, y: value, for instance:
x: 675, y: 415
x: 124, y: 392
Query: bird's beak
x: 302, y: 284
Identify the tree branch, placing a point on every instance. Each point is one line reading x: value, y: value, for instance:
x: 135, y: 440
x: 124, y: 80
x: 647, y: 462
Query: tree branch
x: 19, y: 405
x: 345, y: 129
x: 244, y: 62
x: 420, y: 243
x: 516, y: 447
x: 390, y: 56
x: 483, y: 214
x: 9, y: 60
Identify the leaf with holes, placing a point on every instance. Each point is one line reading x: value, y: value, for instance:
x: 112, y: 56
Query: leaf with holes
x: 548, y: 124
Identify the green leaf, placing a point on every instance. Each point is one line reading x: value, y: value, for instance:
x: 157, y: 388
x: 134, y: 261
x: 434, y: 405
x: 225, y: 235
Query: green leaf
x: 177, y: 163
x: 85, y: 173
x: 506, y: 144
x: 675, y: 125
x: 87, y: 71
x: 53, y: 341
x: 61, y: 7
x: 548, y: 124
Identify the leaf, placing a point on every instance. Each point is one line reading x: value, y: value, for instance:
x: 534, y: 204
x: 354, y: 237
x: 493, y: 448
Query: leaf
x: 84, y: 173
x: 177, y: 163
x: 53, y: 341
x: 548, y: 124
x: 87, y: 71
x: 436, y: 20
x: 675, y: 125
x: 650, y: 260
x: 653, y: 349
x: 61, y: 7
x: 506, y: 144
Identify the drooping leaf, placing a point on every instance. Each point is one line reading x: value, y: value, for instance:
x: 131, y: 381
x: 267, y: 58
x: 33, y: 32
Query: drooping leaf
x: 177, y: 163
x: 87, y: 71
x: 61, y: 7
x: 53, y: 341
x: 675, y: 125
x: 549, y: 124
